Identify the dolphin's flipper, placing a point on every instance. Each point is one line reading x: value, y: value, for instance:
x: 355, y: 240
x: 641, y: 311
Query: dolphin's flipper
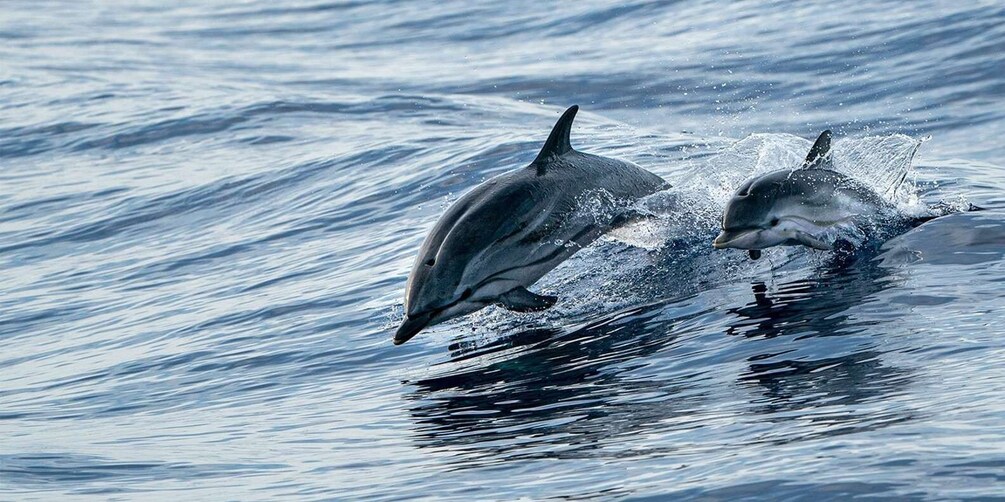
x: 521, y: 300
x: 558, y: 142
x: 808, y: 240
x: 819, y: 156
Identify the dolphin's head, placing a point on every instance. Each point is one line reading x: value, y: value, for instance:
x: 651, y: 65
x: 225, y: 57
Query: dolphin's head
x: 412, y: 324
x: 455, y: 272
x: 773, y: 210
x: 433, y: 295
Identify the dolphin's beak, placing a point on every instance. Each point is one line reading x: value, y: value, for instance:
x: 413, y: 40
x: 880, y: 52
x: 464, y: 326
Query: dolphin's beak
x: 410, y: 327
x: 724, y: 238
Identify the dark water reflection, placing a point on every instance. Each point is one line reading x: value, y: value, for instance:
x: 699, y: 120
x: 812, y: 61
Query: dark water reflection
x: 814, y: 306
x: 561, y: 388
x: 559, y: 393
x: 208, y: 213
x: 803, y: 376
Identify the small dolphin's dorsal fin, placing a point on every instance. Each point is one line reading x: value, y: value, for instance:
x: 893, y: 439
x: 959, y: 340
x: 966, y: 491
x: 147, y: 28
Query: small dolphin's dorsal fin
x: 558, y: 141
x: 820, y: 153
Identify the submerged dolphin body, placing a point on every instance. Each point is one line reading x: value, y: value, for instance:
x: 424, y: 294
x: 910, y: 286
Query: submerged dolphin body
x: 511, y: 230
x: 807, y: 206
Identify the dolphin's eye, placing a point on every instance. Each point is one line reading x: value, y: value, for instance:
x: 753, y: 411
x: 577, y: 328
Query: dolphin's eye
x: 431, y: 262
x: 774, y: 221
x: 466, y: 294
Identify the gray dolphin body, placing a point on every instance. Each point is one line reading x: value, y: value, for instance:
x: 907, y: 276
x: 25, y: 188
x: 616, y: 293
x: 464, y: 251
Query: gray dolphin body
x: 806, y: 206
x: 511, y: 230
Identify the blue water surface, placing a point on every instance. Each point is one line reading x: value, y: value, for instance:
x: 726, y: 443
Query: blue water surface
x: 208, y: 211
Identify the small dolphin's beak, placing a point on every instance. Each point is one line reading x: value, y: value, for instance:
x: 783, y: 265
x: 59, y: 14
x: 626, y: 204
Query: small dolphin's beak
x: 410, y: 327
x: 739, y: 239
x: 722, y: 241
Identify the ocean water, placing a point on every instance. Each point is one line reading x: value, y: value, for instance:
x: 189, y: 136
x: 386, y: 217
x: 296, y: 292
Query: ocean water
x: 208, y: 211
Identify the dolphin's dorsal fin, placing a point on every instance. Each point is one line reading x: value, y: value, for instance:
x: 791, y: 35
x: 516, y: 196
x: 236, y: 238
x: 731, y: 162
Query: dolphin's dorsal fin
x: 558, y: 141
x: 820, y: 153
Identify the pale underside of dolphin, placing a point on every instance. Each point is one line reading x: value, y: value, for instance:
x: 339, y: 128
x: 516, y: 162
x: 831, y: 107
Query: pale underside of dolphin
x: 807, y: 206
x: 508, y: 232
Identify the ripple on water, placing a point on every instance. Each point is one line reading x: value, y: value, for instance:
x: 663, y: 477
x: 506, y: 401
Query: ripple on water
x: 207, y: 213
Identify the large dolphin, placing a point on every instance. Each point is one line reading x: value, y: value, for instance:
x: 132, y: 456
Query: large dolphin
x: 808, y: 206
x: 508, y: 232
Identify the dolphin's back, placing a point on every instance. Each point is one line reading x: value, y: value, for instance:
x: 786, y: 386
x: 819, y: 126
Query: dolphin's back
x: 824, y: 187
x: 624, y: 180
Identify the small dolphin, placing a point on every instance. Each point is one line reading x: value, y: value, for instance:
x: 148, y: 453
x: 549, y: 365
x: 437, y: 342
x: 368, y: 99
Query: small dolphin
x: 511, y: 230
x: 807, y: 206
